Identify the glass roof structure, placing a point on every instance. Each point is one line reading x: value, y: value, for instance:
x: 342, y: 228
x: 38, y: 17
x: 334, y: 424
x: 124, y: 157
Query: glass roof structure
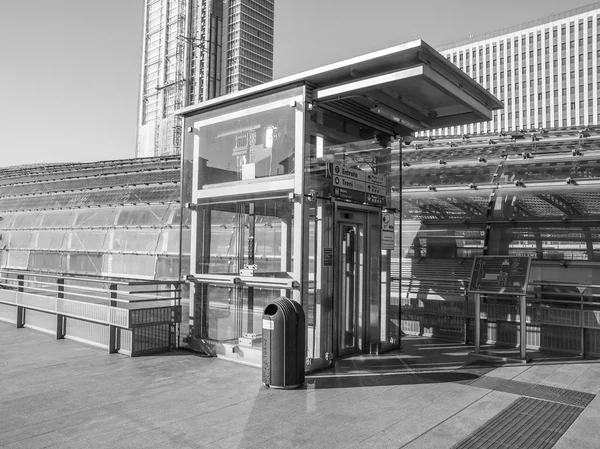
x: 111, y: 218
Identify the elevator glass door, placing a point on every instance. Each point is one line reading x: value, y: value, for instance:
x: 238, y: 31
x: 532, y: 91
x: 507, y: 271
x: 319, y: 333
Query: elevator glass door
x: 350, y: 282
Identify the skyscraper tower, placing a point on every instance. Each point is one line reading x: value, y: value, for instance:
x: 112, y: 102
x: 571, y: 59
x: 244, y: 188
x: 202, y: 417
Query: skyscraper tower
x: 195, y: 50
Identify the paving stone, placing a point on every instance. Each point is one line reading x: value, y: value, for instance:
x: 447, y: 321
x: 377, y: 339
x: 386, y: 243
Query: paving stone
x: 63, y: 394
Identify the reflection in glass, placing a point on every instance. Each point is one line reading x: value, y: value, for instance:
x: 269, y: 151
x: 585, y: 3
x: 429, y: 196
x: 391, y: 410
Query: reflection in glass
x: 247, y: 233
x: 349, y: 287
x: 543, y: 242
x: 437, y: 241
x: 233, y: 237
x: 448, y: 175
x: 336, y: 139
x: 229, y: 313
x: 253, y: 146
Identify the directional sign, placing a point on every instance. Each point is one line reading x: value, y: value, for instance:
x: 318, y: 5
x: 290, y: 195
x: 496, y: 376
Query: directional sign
x: 347, y: 194
x: 351, y: 173
x: 375, y: 190
x: 340, y: 181
x: 356, y: 185
x: 376, y: 179
x: 376, y: 200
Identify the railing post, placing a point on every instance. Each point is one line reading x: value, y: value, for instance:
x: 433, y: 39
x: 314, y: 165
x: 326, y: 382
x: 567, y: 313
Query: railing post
x: 20, y: 309
x: 466, y: 317
x: 112, y: 329
x: 582, y: 324
x: 60, y: 319
x: 175, y: 328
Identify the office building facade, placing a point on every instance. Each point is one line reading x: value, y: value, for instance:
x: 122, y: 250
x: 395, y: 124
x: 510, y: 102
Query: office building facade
x: 545, y: 72
x: 195, y: 50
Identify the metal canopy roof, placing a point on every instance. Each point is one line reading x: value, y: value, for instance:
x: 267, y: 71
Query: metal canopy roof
x: 399, y: 90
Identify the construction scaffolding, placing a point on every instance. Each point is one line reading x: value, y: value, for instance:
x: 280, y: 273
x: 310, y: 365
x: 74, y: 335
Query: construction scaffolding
x: 163, y: 90
x: 189, y: 48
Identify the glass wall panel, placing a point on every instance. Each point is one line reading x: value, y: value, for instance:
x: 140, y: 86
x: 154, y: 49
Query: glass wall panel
x: 168, y: 242
x: 246, y: 140
x: 27, y: 220
x: 56, y: 219
x: 334, y: 140
x: 454, y: 174
x: 549, y: 170
x: 228, y: 314
x: 150, y: 215
x: 470, y: 205
x: 86, y: 240
x: 84, y: 263
x: 167, y: 267
x: 19, y: 239
x: 17, y: 259
x: 52, y: 240
x: 442, y: 241
x: 133, y: 240
x: 129, y: 265
x: 245, y: 233
x: 552, y: 202
x: 252, y: 146
x: 357, y: 166
x: 43, y: 261
x: 100, y: 217
x: 565, y: 241
x: 7, y: 220
x: 176, y: 214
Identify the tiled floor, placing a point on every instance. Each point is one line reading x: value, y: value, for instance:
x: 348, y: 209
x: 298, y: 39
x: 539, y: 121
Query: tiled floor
x: 430, y: 394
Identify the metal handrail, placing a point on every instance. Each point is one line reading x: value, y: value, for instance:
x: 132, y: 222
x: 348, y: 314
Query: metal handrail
x: 98, y: 280
x: 564, y: 284
x: 54, y: 291
x: 250, y: 281
x: 60, y: 295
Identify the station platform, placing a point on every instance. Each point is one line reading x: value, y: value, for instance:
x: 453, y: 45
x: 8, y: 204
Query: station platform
x: 429, y: 394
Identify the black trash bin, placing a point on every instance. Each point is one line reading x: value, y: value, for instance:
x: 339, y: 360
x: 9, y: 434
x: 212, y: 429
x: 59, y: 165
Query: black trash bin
x: 283, y: 345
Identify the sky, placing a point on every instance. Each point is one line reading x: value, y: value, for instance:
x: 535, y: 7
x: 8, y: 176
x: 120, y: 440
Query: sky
x: 70, y: 69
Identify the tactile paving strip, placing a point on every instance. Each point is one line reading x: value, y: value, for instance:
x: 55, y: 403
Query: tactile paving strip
x: 528, y: 423
x: 569, y: 397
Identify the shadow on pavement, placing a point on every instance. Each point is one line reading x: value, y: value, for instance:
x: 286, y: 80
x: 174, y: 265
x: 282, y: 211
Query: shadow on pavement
x: 378, y: 380
x: 421, y: 360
